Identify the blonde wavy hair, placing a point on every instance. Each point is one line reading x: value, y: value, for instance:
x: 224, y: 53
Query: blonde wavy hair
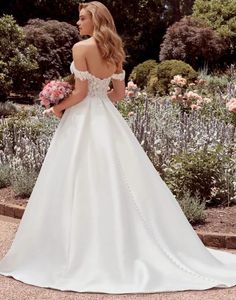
x: 109, y: 42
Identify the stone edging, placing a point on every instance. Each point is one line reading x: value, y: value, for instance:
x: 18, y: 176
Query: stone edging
x: 218, y: 240
x: 10, y: 210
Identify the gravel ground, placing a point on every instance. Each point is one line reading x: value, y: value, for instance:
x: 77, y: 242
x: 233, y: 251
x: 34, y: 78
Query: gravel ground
x: 11, y: 289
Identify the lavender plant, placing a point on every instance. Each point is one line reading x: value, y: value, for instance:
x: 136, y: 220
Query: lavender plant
x: 24, y: 140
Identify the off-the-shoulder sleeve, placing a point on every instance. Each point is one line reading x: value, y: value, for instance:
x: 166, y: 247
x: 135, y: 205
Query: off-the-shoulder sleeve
x: 82, y: 75
x: 119, y: 76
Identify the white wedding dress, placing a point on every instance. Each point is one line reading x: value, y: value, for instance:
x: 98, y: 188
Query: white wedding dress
x: 100, y: 218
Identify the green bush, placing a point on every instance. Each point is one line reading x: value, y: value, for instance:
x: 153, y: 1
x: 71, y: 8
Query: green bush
x: 26, y: 123
x: 5, y: 81
x: 163, y: 73
x: 200, y: 172
x: 217, y: 15
x: 192, y: 207
x: 7, y: 108
x: 17, y: 57
x: 4, y: 176
x: 140, y: 73
x: 221, y: 16
x: 23, y: 181
x: 217, y: 83
x: 131, y: 105
x: 20, y: 123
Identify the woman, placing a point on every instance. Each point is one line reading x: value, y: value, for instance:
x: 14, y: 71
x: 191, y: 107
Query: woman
x: 100, y: 218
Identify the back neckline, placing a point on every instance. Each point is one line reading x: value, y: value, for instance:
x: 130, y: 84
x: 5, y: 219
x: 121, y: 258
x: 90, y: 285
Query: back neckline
x: 87, y: 72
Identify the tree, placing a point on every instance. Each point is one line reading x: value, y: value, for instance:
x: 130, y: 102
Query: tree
x: 190, y: 40
x: 23, y: 10
x: 176, y: 9
x: 141, y: 23
x: 17, y: 58
x: 54, y: 41
x: 221, y: 16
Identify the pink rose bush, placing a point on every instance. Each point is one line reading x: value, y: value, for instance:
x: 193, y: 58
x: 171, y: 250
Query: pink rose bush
x: 231, y: 105
x: 54, y: 91
x: 134, y: 98
x: 130, y: 114
x: 131, y: 90
x: 184, y: 96
x: 179, y: 81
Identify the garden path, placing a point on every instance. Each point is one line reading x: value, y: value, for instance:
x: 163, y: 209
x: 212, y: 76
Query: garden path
x: 11, y: 288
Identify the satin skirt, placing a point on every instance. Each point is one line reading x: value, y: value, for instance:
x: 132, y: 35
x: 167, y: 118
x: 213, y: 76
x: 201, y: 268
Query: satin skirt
x: 101, y: 219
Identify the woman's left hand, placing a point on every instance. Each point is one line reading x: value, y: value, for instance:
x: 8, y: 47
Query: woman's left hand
x: 54, y: 109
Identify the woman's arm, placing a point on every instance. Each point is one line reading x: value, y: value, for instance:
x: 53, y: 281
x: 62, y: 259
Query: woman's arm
x: 81, y: 86
x: 118, y: 91
x: 80, y: 90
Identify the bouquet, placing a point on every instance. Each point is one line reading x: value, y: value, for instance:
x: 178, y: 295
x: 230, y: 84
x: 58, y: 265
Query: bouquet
x: 54, y: 91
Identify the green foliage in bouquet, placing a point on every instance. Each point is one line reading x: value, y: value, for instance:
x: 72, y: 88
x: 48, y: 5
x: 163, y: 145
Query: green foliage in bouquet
x: 70, y: 79
x: 163, y: 73
x: 141, y: 72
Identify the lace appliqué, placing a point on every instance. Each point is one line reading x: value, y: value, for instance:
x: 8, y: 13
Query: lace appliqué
x: 82, y: 75
x: 96, y: 86
x: 119, y: 76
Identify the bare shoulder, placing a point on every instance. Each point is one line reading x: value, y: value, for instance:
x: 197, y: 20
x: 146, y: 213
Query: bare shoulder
x: 85, y: 44
x: 79, y: 47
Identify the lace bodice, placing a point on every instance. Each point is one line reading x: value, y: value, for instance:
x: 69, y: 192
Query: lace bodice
x: 96, y: 86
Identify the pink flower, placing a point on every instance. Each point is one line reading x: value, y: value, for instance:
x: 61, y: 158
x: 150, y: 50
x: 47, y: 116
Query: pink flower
x: 195, y: 106
x: 131, y: 113
x: 131, y: 85
x: 194, y: 96
x: 131, y: 90
x: 130, y: 93
x: 231, y: 105
x: 201, y: 81
x: 54, y: 91
x: 173, y: 98
x: 207, y: 100
x: 179, y: 80
x: 177, y: 90
x: 199, y: 101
